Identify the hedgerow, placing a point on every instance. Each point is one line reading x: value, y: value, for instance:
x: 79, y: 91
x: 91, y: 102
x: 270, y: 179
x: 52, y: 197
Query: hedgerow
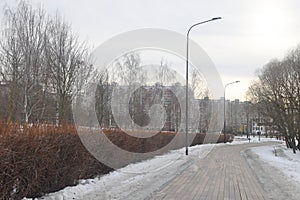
x: 43, y: 158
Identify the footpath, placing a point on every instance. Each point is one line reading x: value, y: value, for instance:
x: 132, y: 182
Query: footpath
x: 223, y: 174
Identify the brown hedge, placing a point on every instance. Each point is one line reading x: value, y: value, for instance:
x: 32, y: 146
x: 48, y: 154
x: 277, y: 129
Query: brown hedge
x: 39, y: 159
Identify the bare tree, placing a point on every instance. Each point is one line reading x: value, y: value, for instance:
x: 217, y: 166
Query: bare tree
x: 68, y: 65
x: 276, y: 94
x: 103, y: 99
x: 21, y: 56
x: 42, y: 61
x: 165, y: 75
x: 129, y: 69
x: 10, y: 58
x: 198, y: 85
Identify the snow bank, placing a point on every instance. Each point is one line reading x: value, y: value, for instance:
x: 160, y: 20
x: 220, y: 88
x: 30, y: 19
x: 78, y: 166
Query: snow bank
x: 281, y: 158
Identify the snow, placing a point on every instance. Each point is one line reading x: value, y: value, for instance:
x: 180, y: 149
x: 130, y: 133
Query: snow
x: 277, y: 174
x: 256, y: 139
x: 281, y: 158
x: 135, y: 181
x: 140, y: 180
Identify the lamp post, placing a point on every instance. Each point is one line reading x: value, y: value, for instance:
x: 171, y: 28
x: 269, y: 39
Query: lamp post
x: 187, y: 81
x: 224, y: 128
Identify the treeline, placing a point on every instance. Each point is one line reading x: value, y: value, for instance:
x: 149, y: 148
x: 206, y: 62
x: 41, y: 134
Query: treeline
x: 43, y: 65
x: 276, y: 94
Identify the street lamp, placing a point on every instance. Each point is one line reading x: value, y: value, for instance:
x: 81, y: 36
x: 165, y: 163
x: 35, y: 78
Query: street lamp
x: 225, y: 110
x: 187, y: 81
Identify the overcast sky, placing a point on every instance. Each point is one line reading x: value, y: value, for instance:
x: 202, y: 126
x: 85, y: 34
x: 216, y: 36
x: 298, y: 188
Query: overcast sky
x: 251, y: 33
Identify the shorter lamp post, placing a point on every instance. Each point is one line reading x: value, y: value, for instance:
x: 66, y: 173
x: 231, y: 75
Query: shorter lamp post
x: 224, y: 128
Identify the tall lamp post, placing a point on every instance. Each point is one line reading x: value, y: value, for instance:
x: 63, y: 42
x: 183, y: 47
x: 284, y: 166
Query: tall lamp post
x: 224, y: 128
x: 187, y: 81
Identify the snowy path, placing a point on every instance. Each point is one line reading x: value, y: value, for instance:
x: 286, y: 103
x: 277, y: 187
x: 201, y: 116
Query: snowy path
x: 223, y: 174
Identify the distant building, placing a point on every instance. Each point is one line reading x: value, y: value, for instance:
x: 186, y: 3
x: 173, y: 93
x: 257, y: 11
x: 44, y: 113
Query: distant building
x: 131, y: 105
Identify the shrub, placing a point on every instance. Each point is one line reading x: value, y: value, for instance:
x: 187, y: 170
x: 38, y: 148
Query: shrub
x: 39, y: 159
x: 43, y: 158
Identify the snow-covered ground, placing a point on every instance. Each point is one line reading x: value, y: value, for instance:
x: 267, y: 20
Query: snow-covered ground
x: 138, y: 181
x: 281, y: 158
x: 135, y: 181
x: 244, y: 139
x: 278, y: 156
x: 278, y: 174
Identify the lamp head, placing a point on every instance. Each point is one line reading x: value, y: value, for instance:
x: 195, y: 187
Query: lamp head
x: 216, y: 18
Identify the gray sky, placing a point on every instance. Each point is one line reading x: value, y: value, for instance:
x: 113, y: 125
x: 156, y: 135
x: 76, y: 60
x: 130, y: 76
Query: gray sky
x: 251, y: 33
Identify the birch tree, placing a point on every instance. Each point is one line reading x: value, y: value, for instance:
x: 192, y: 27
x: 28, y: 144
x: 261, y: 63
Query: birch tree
x: 42, y: 61
x: 21, y: 56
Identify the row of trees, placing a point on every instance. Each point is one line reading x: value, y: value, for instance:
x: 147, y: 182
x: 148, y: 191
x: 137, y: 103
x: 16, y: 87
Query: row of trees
x: 129, y: 78
x: 276, y: 94
x: 137, y: 88
x: 42, y: 65
x: 128, y: 110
